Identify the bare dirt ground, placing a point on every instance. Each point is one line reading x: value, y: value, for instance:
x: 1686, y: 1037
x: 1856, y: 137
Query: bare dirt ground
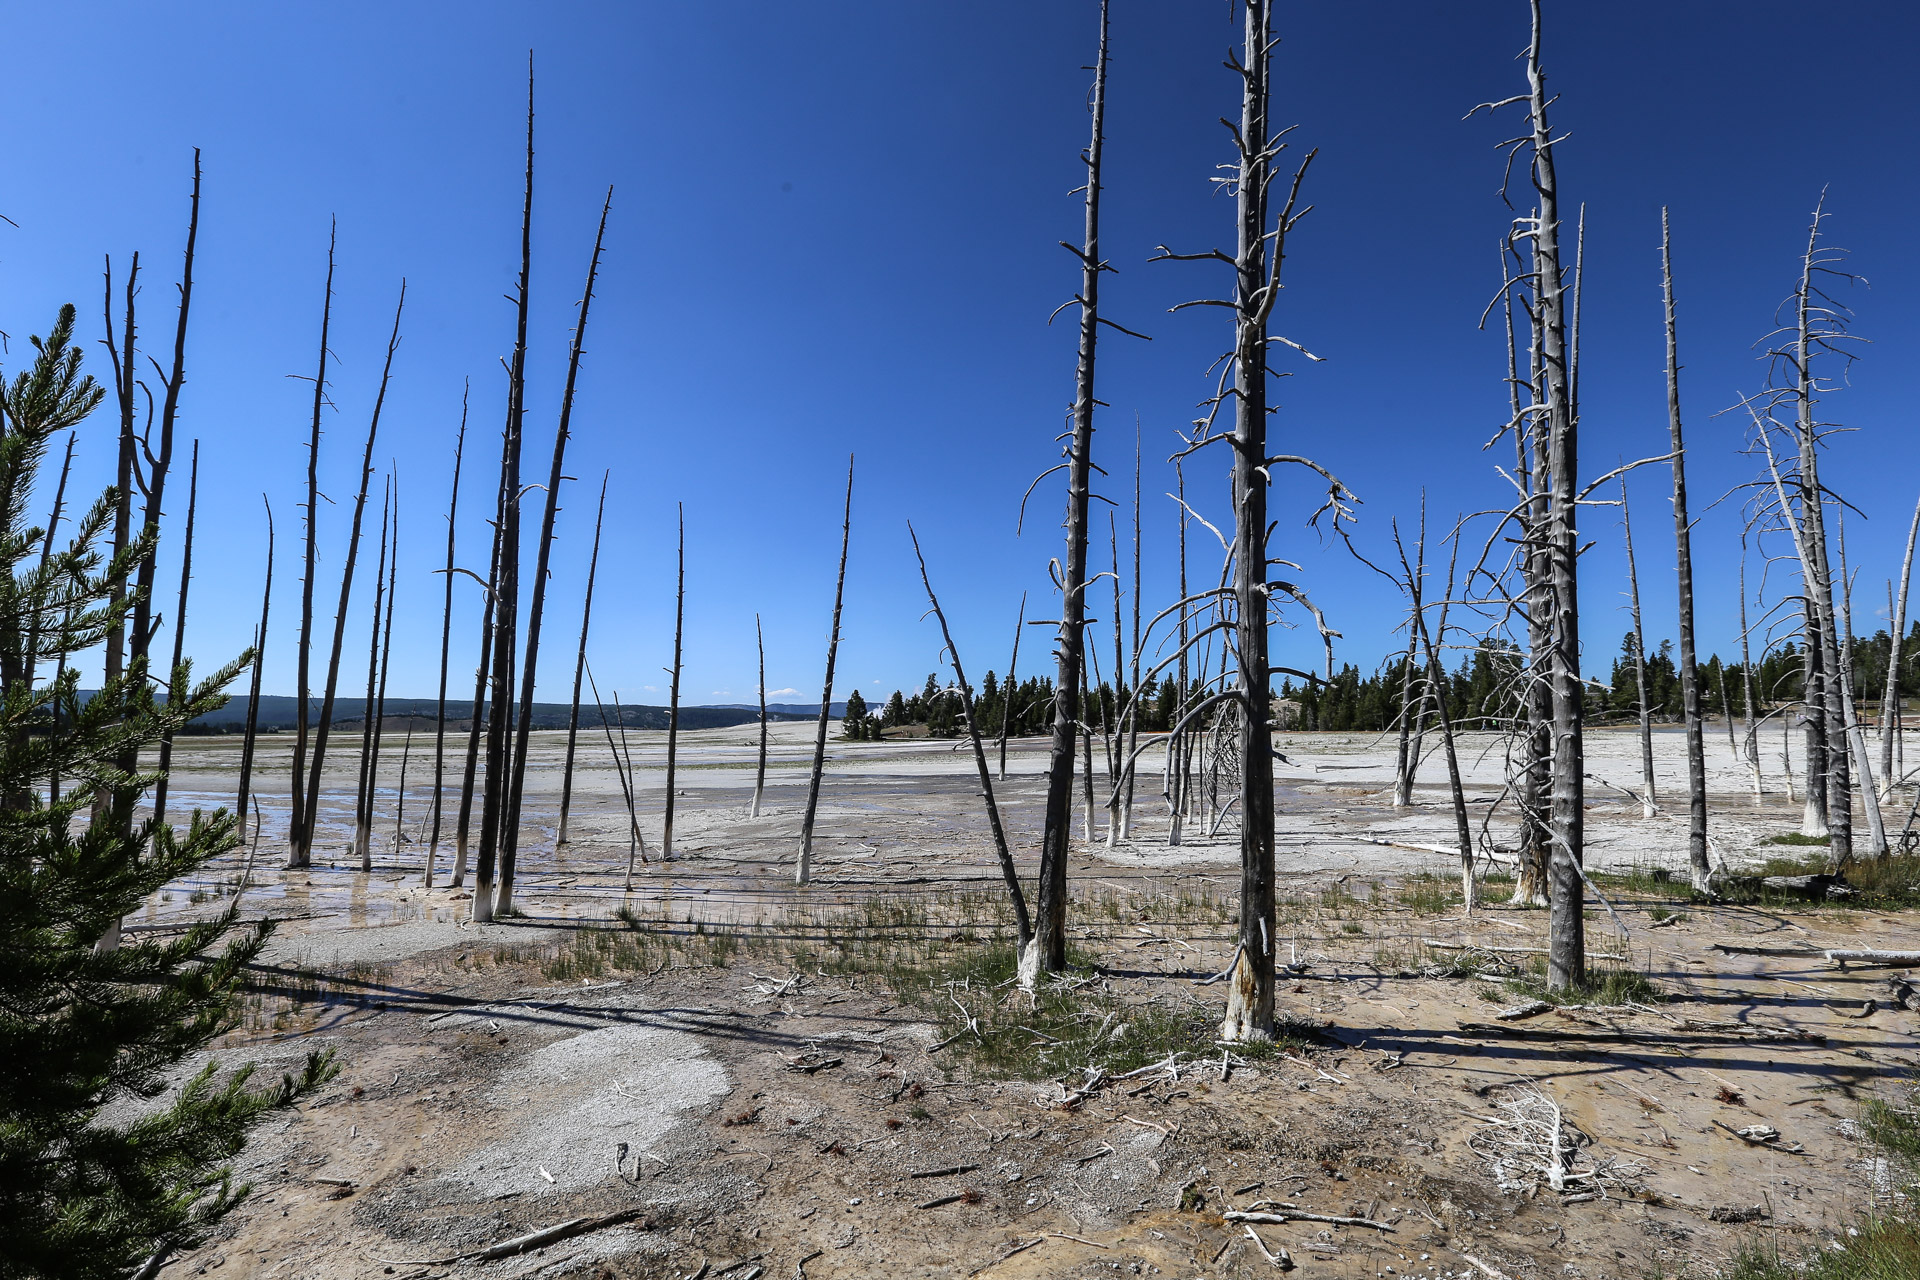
x: 779, y: 1082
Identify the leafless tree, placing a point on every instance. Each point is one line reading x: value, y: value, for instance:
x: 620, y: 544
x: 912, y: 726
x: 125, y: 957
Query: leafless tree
x: 177, y: 674
x: 482, y: 672
x: 1700, y: 868
x: 310, y: 819
x: 494, y: 809
x: 369, y: 765
x: 673, y: 696
x: 1022, y: 924
x: 760, y: 767
x: 804, y: 871
x: 1012, y: 684
x: 580, y: 664
x: 636, y: 843
x: 299, y: 843
x: 1048, y: 951
x: 1647, y: 806
x: 253, y: 691
x: 536, y: 605
x: 446, y: 642
x: 1890, y: 699
x: 1246, y: 706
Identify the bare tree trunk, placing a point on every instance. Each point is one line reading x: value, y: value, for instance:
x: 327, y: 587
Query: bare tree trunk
x: 1566, y: 960
x: 1179, y: 791
x: 446, y: 642
x: 804, y: 871
x: 635, y: 844
x: 363, y: 792
x: 312, y: 815
x: 1856, y: 736
x: 400, y: 797
x: 760, y: 767
x: 176, y: 686
x: 379, y: 709
x: 494, y: 808
x: 299, y: 839
x: 46, y: 556
x: 1536, y: 782
x: 1110, y: 713
x: 580, y: 664
x: 673, y: 693
x: 1023, y: 925
x: 536, y: 605
x: 1647, y: 807
x: 1404, y: 762
x: 1048, y: 951
x: 1813, y: 815
x: 1012, y: 685
x: 636, y: 840
x: 476, y: 724
x: 1896, y: 633
x: 1133, y: 698
x: 1746, y: 689
x: 1697, y: 862
x: 253, y: 691
x: 1436, y: 676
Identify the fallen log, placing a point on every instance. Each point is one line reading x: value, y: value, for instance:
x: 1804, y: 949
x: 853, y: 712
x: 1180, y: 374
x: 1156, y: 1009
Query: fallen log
x: 1871, y: 957
x: 1300, y: 1215
x: 520, y: 1244
x: 1513, y: 951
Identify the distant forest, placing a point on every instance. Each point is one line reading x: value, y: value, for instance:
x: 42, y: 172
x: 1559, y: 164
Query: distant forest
x: 1478, y: 693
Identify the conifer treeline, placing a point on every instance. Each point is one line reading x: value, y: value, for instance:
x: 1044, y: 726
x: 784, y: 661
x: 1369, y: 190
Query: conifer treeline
x: 936, y: 709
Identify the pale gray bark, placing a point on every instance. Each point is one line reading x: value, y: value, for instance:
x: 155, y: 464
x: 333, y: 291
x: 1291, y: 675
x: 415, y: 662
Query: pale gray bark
x: 1012, y: 684
x: 580, y: 666
x: 253, y: 691
x: 446, y: 642
x: 1023, y: 926
x: 299, y: 840
x: 1697, y: 860
x: 803, y: 871
x: 1896, y: 634
x: 1648, y: 807
x: 363, y: 792
x: 760, y: 765
x: 673, y: 700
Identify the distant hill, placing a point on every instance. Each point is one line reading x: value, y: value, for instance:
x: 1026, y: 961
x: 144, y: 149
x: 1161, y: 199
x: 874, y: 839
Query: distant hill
x: 278, y: 714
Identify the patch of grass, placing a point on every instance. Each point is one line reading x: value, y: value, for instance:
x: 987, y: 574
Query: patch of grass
x: 1658, y: 913
x: 1637, y: 879
x: 1428, y: 893
x: 1600, y: 986
x: 1797, y: 838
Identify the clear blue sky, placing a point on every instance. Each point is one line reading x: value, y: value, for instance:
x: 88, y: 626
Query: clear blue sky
x: 834, y: 230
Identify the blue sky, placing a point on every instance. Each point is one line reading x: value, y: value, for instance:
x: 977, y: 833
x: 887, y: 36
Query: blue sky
x: 834, y: 231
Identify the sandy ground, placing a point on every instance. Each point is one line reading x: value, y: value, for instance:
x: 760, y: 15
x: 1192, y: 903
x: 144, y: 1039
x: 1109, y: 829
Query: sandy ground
x: 479, y: 1099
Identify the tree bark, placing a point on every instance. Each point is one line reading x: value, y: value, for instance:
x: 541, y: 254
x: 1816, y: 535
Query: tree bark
x: 1023, y: 925
x: 1048, y: 951
x: 363, y: 792
x: 1566, y: 961
x: 1647, y: 806
x: 1013, y: 666
x: 1697, y: 862
x: 253, y: 691
x: 1890, y: 700
x: 673, y: 694
x: 1746, y: 688
x: 804, y: 871
x: 494, y: 808
x: 760, y: 767
x: 177, y: 687
x: 1133, y: 698
x: 446, y: 643
x: 536, y: 605
x: 580, y: 666
x: 311, y: 819
x: 299, y: 839
x: 476, y: 724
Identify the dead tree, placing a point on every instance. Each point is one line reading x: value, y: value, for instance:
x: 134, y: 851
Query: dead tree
x: 1647, y: 807
x: 494, y: 808
x: 1023, y: 926
x: 1890, y: 700
x: 1406, y: 758
x: 477, y: 723
x: 1436, y: 678
x: 310, y: 819
x: 1856, y: 735
x: 446, y: 642
x: 363, y: 792
x: 1259, y: 254
x: 1048, y: 951
x: 1178, y: 788
x: 299, y: 845
x: 125, y: 385
x: 177, y: 676
x: 760, y: 767
x: 253, y: 690
x: 400, y: 793
x: 1699, y: 867
x: 536, y: 604
x: 32, y: 654
x: 1746, y: 686
x: 580, y: 665
x: 1551, y: 532
x: 379, y: 708
x: 1133, y: 708
x: 673, y: 695
x: 1012, y: 684
x: 804, y: 871
x: 636, y: 844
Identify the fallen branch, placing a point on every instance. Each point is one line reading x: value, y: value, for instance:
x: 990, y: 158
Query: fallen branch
x: 1022, y: 1247
x: 520, y: 1244
x: 1300, y: 1215
x: 943, y: 1173
x: 1511, y: 951
x: 1871, y: 957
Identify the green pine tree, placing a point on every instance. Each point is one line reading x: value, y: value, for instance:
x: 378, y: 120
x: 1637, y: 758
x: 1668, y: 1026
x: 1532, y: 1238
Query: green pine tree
x: 83, y: 1027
